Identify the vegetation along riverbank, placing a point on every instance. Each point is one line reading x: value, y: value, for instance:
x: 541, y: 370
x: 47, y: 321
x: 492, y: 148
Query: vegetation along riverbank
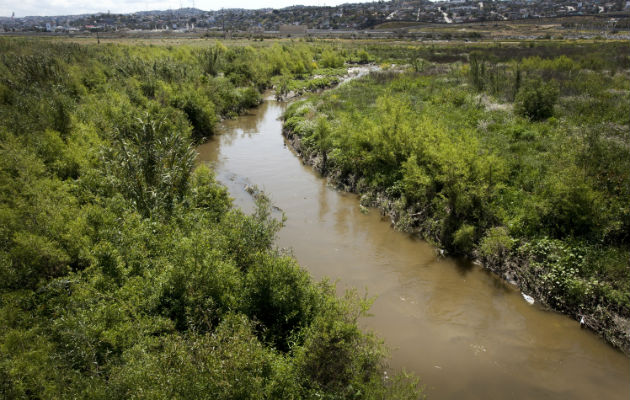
x: 517, y: 155
x: 127, y: 273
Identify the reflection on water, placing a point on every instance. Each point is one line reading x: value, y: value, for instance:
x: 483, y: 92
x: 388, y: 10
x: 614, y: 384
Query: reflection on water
x: 324, y: 207
x: 466, y: 333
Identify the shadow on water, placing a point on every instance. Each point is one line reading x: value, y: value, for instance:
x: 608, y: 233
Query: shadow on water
x: 463, y: 266
x: 498, y: 283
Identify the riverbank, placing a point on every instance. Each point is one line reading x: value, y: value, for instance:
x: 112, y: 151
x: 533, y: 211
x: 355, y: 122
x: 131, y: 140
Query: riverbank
x: 515, y: 269
x: 462, y: 329
x: 288, y: 90
x: 535, y: 201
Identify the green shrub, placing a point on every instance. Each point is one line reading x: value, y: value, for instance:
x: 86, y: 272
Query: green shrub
x: 200, y: 113
x: 123, y: 273
x: 331, y: 59
x: 536, y: 99
x: 279, y: 297
x: 248, y: 97
x: 152, y: 159
x: 496, y: 242
x: 211, y: 59
x: 464, y: 238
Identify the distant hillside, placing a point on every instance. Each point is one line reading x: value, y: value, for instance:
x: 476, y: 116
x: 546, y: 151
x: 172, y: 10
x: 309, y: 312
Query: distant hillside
x: 343, y: 17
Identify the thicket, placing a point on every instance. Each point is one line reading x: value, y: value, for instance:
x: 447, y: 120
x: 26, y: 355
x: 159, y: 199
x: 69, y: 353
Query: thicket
x: 598, y: 55
x: 127, y: 273
x: 524, y: 160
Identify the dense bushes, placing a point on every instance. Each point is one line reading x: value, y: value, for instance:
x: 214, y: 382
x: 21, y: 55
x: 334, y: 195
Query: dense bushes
x: 200, y: 113
x: 536, y: 99
x: 461, y: 164
x: 123, y: 272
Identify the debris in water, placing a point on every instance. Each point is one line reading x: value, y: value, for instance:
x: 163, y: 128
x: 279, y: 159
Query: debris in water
x: 477, y: 348
x: 528, y: 298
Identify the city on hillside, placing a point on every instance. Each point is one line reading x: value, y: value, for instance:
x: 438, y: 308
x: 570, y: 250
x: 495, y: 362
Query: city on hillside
x: 360, y: 16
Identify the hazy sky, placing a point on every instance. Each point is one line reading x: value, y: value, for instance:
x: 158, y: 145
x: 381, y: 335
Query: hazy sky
x: 24, y: 8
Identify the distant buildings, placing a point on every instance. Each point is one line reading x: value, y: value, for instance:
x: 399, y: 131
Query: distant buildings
x: 294, y: 20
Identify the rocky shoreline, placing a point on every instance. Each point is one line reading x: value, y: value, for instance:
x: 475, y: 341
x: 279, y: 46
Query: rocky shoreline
x: 608, y: 324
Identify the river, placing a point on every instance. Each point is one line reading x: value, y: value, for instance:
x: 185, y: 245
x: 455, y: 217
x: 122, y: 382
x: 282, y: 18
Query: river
x: 463, y: 331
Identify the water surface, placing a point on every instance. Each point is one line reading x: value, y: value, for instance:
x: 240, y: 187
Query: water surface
x: 464, y: 332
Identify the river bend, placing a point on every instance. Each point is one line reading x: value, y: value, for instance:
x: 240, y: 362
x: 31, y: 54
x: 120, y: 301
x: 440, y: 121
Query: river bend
x: 463, y: 331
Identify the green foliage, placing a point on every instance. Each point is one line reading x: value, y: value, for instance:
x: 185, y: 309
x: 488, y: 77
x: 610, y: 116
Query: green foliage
x: 321, y: 135
x: 248, y: 97
x: 125, y: 271
x: 200, y: 113
x: 496, y: 243
x: 574, y: 204
x: 464, y: 238
x: 418, y: 64
x: 363, y: 57
x: 281, y: 87
x: 331, y: 59
x: 207, y: 195
x: 280, y: 299
x: 477, y: 70
x: 211, y: 59
x: 577, y: 276
x: 536, y: 100
x: 467, y: 172
x: 151, y: 161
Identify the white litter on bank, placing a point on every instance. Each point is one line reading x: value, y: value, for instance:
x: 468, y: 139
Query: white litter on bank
x: 528, y: 298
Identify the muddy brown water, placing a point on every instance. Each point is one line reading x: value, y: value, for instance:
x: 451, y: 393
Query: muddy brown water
x: 463, y: 331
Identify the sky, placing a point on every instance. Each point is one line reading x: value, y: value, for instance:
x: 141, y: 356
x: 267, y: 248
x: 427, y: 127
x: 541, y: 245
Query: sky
x: 23, y: 8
